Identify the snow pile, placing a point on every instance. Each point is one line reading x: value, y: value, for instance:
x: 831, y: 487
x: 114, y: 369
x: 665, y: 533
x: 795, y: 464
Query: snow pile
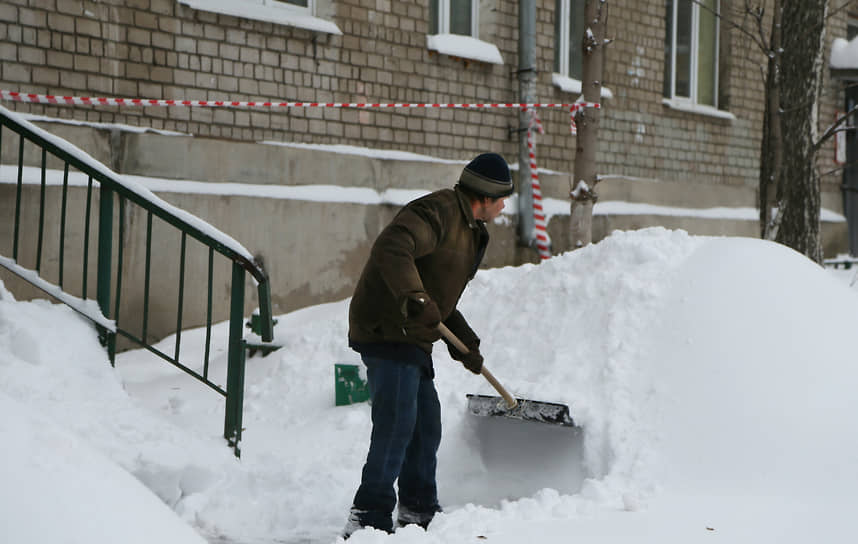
x: 575, y: 330
x: 712, y: 379
x: 770, y: 390
x: 69, y: 431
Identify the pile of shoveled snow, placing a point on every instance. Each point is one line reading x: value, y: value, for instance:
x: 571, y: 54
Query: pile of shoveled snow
x: 711, y: 378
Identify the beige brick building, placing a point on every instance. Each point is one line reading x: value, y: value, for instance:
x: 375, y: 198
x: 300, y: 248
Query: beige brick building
x: 680, y: 131
x: 383, y: 51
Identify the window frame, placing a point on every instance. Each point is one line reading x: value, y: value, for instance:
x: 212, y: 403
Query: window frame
x: 694, y: 75
x: 851, y: 27
x: 309, y: 9
x: 562, y: 43
x: 280, y: 13
x: 563, y: 80
x: 443, y: 18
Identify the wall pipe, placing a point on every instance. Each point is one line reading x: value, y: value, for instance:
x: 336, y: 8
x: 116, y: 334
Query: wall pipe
x: 527, y: 95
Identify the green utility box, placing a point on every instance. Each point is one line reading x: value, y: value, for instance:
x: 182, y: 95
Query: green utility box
x: 349, y: 387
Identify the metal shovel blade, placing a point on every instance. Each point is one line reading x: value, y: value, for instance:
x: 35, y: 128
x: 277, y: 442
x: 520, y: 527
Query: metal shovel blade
x: 551, y: 413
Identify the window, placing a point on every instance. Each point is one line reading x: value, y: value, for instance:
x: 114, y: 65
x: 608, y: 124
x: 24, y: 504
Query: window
x: 307, y: 4
x: 453, y: 17
x: 568, y: 34
x: 454, y: 31
x: 691, y: 51
x: 851, y: 28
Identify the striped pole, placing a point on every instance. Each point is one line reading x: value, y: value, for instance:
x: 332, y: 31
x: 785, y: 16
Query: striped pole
x: 543, y: 242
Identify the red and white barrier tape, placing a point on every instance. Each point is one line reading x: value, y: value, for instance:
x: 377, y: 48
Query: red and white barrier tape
x: 540, y: 226
x: 107, y: 101
x: 542, y: 240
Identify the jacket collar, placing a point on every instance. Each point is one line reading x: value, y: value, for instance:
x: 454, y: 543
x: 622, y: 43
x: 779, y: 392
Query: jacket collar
x: 466, y: 208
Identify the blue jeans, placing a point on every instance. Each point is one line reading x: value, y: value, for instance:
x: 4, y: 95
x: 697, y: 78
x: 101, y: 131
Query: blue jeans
x: 406, y: 433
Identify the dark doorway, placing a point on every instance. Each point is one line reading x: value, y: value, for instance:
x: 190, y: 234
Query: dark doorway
x: 850, y: 172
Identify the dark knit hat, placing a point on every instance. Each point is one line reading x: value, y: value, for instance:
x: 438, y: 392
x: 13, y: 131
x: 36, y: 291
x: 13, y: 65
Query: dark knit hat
x: 487, y: 175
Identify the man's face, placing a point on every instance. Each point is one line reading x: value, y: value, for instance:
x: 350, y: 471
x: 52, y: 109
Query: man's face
x: 488, y: 209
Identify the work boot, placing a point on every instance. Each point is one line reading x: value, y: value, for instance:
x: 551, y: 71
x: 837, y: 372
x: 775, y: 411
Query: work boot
x: 410, y: 517
x: 359, y: 519
x: 353, y: 524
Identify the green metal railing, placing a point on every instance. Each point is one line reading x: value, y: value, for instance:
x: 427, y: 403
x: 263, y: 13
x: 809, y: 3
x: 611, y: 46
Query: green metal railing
x: 116, y: 199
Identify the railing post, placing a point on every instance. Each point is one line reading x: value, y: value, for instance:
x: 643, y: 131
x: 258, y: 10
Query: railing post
x: 235, y: 363
x: 105, y: 249
x: 267, y: 328
x: 113, y: 197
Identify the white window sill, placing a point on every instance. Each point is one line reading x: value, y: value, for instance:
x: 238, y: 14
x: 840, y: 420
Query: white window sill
x: 281, y: 16
x: 465, y: 47
x: 569, y: 85
x: 700, y: 109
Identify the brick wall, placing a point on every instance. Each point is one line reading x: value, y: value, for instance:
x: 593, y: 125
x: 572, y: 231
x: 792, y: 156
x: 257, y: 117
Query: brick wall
x: 163, y: 49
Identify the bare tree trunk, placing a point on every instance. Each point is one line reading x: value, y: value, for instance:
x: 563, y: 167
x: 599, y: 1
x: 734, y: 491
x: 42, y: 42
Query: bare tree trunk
x: 587, y: 120
x: 771, y: 155
x: 801, y: 82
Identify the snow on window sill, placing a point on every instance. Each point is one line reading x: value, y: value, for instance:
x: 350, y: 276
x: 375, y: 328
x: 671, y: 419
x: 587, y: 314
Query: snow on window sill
x: 701, y: 109
x: 844, y: 54
x: 281, y: 16
x: 569, y: 85
x: 465, y: 47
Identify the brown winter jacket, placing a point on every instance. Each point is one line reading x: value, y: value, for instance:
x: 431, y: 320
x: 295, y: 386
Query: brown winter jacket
x: 432, y: 246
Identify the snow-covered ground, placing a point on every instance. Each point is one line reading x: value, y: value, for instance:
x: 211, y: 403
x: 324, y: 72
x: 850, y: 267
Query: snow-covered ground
x: 713, y: 379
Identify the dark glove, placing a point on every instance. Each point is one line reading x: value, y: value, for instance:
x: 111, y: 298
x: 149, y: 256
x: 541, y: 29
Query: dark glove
x: 422, y: 318
x: 473, y: 360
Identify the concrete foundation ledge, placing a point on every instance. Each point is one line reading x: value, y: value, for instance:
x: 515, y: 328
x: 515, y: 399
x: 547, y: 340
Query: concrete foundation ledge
x: 312, y: 212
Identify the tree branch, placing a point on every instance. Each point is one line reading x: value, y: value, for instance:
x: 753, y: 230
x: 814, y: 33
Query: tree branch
x: 839, y: 169
x: 759, y: 40
x: 833, y: 129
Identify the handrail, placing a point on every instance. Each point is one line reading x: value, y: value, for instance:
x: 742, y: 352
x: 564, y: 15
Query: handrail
x: 140, y: 196
x: 113, y: 188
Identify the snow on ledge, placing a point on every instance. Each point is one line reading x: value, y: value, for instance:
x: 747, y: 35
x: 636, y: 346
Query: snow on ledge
x: 373, y: 197
x: 691, y: 107
x: 571, y: 85
x: 33, y: 118
x: 269, y: 14
x: 844, y: 54
x: 384, y: 154
x: 555, y: 206
x: 465, y: 47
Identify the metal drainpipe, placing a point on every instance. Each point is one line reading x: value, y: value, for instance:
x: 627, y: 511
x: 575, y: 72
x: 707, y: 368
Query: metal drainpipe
x: 527, y: 93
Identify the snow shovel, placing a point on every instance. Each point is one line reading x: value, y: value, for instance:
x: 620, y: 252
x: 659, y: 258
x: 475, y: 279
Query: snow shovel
x: 506, y: 405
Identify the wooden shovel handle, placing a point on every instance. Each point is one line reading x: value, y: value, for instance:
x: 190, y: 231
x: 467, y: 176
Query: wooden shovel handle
x: 453, y: 339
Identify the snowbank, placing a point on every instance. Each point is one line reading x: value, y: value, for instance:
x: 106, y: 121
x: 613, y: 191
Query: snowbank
x: 712, y: 379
